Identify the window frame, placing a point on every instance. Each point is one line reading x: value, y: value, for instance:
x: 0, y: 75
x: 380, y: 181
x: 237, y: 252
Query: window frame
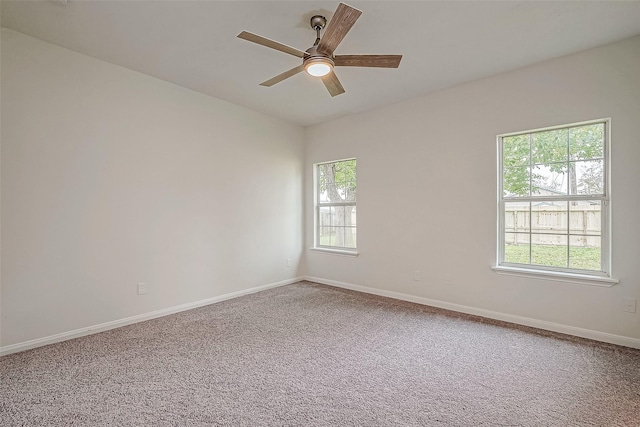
x: 338, y: 250
x: 602, y: 277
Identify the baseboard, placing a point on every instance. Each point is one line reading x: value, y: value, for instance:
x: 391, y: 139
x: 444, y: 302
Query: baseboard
x: 525, y: 321
x: 39, y: 342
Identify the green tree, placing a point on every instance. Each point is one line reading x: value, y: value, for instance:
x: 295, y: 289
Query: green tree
x: 516, y: 160
x: 559, y: 152
x: 586, y: 144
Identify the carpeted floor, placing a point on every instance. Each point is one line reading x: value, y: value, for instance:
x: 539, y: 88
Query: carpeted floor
x: 313, y: 355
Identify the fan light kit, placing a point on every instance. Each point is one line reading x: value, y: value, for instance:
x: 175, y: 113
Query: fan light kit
x: 318, y: 67
x: 319, y: 60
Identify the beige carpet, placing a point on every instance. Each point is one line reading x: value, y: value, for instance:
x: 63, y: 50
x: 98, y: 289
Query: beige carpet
x: 312, y: 355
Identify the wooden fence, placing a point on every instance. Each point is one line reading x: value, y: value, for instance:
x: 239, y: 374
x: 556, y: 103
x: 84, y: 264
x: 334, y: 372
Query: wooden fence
x: 549, y: 225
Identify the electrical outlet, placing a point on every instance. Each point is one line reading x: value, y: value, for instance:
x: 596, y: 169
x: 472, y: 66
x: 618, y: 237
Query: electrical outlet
x: 287, y: 262
x: 629, y: 305
x: 142, y: 288
x: 416, y: 275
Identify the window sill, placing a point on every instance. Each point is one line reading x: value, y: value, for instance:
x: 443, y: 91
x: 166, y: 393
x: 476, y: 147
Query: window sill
x: 582, y: 279
x: 342, y: 252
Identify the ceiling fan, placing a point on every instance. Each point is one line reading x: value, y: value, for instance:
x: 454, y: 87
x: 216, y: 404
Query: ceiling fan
x: 319, y: 59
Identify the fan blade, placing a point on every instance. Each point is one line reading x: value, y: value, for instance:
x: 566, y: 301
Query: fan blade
x: 383, y: 61
x: 272, y: 44
x: 342, y: 21
x: 332, y: 84
x: 281, y: 77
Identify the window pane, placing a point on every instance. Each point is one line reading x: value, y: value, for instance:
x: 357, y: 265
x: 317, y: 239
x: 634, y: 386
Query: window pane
x: 549, y: 146
x: 549, y: 180
x: 324, y: 193
x: 323, y: 172
x: 345, y: 170
x: 589, y: 177
x: 338, y: 237
x: 339, y: 173
x: 324, y: 216
x: 516, y: 248
x: 517, y: 217
x: 585, y: 217
x: 322, y: 184
x: 586, y: 142
x: 349, y: 216
x: 585, y: 252
x: 337, y: 215
x: 516, y: 181
x: 329, y: 236
x: 350, y: 237
x: 324, y: 238
x: 348, y: 191
x: 549, y: 217
x: 549, y: 250
x: 515, y: 150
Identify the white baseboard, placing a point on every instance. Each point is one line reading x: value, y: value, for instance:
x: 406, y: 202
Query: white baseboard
x: 526, y: 321
x: 14, y: 348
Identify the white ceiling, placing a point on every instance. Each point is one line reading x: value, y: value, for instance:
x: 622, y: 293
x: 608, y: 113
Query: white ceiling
x: 444, y: 43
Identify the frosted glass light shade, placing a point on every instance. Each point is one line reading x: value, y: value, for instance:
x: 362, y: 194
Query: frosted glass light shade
x: 318, y: 69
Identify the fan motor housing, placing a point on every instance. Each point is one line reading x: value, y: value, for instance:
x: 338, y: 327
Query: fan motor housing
x: 313, y: 52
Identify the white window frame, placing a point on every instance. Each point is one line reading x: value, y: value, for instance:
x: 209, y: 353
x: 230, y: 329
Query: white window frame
x: 591, y: 277
x: 336, y: 250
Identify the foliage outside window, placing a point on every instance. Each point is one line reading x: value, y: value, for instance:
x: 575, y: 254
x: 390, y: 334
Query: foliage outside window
x: 553, y: 199
x: 336, y: 205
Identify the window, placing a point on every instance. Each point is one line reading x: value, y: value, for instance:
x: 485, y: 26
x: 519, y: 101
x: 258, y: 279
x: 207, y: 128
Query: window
x: 335, y: 188
x: 554, y: 199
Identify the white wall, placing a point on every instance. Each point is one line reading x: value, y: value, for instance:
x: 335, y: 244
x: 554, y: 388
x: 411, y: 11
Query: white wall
x: 422, y: 163
x: 111, y: 177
